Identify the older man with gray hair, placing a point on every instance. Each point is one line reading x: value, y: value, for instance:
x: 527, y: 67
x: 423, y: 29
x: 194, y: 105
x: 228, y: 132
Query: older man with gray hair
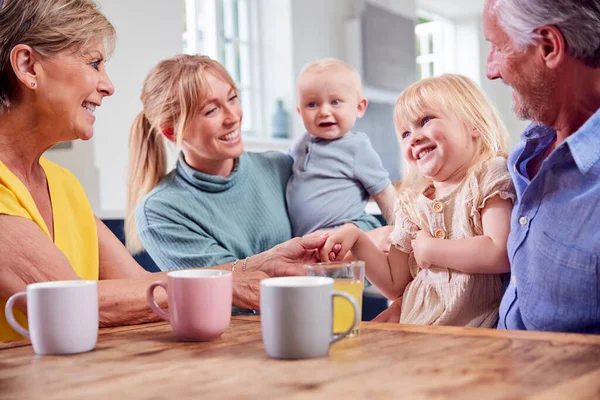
x: 548, y: 51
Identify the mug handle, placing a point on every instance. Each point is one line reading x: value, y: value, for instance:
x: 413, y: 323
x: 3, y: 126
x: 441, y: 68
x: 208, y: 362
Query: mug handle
x: 152, y: 301
x: 8, y: 311
x: 335, y: 338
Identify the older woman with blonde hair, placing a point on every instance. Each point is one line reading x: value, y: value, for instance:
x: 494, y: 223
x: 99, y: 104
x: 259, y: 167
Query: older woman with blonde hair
x: 52, y: 78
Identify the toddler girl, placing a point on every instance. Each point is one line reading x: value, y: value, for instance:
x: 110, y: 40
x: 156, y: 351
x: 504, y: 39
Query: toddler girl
x: 452, y: 216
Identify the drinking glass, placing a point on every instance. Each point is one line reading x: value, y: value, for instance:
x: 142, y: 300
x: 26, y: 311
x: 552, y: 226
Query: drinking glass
x: 349, y: 277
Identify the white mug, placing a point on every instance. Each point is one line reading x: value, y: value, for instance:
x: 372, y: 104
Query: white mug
x: 62, y: 316
x: 297, y: 316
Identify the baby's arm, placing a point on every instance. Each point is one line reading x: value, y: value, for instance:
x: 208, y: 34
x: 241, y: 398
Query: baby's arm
x: 389, y: 272
x: 386, y: 199
x: 484, y: 254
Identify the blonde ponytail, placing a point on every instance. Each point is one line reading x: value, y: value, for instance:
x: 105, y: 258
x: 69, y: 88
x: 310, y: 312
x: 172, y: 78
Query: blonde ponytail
x: 147, y: 166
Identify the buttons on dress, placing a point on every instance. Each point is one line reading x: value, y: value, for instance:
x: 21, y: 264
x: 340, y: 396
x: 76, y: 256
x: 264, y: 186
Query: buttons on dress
x: 523, y: 221
x: 440, y: 234
x: 438, y: 207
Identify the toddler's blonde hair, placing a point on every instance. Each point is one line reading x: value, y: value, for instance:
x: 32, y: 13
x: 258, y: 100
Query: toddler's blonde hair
x: 459, y: 97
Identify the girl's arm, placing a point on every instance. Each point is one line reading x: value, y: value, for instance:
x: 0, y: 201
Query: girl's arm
x: 484, y: 254
x: 389, y: 273
x: 386, y: 200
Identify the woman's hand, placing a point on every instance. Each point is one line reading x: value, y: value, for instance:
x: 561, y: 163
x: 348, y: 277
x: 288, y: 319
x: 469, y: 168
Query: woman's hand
x: 339, y: 242
x: 392, y: 314
x: 288, y: 258
x: 420, y: 245
x: 246, y: 289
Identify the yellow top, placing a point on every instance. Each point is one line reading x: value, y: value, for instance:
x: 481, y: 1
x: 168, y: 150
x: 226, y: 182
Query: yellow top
x: 75, y: 231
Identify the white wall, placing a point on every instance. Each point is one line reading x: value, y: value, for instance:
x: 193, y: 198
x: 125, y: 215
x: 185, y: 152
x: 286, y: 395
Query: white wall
x: 402, y: 7
x: 466, y: 48
x: 148, y: 31
x: 80, y: 159
x: 276, y: 75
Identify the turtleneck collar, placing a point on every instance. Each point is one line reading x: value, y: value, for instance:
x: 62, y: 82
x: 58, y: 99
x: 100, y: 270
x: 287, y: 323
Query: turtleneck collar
x: 211, y: 183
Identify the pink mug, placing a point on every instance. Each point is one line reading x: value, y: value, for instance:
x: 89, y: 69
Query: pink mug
x: 199, y: 303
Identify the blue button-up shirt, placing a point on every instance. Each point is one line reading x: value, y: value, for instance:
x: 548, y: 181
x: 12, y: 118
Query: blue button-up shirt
x: 554, y: 243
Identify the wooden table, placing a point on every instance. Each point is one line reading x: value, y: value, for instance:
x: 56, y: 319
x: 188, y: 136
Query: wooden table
x: 385, y: 361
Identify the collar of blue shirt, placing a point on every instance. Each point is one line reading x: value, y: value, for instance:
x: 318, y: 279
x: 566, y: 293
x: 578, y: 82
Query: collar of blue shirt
x: 584, y: 144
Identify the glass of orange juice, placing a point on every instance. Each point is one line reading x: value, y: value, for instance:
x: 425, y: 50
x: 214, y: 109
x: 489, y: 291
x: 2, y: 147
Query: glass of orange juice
x: 349, y: 277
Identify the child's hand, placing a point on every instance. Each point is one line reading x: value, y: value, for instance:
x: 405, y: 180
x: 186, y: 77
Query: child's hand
x: 339, y: 243
x: 420, y: 245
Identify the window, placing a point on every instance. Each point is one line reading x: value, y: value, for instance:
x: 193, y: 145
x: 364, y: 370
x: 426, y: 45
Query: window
x: 222, y: 29
x: 435, y: 44
x: 429, y: 55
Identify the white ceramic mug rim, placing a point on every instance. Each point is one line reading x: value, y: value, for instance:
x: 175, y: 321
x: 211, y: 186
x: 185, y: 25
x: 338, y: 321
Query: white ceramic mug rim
x: 297, y: 282
x: 198, y: 274
x: 60, y: 284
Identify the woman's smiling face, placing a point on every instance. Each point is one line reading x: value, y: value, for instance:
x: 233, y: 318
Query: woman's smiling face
x: 69, y: 87
x: 214, y: 134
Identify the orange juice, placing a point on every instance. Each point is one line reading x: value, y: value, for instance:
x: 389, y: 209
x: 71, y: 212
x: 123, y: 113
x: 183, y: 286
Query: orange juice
x: 343, y: 312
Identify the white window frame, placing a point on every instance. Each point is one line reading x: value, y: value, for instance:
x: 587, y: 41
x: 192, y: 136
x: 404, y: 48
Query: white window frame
x: 429, y: 60
x: 441, y: 33
x: 212, y: 41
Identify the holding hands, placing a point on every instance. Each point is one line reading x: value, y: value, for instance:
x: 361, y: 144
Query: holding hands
x: 339, y: 242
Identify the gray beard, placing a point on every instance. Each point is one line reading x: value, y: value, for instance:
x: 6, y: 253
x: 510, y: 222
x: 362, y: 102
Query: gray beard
x: 534, y: 108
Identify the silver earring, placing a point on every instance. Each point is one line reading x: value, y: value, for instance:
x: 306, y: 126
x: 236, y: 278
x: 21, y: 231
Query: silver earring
x: 32, y: 84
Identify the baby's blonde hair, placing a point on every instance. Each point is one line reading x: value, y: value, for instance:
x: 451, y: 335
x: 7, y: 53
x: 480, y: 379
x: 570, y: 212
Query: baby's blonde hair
x: 457, y: 96
x: 331, y: 64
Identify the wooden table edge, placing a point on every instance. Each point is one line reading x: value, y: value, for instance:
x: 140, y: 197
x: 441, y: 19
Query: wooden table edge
x: 483, y: 332
x: 557, y: 337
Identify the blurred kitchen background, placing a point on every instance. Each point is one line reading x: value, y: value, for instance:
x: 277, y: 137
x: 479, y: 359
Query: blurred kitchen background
x: 264, y: 44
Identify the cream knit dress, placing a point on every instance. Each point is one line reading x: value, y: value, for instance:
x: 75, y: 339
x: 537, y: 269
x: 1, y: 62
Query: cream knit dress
x: 441, y: 296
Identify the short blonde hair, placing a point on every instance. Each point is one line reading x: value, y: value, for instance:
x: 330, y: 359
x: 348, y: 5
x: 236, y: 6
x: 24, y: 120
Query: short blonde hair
x: 172, y: 95
x: 333, y: 64
x: 457, y: 96
x: 48, y: 26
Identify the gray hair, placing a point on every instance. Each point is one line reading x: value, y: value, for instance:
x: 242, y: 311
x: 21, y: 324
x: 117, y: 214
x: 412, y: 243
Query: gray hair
x: 578, y: 21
